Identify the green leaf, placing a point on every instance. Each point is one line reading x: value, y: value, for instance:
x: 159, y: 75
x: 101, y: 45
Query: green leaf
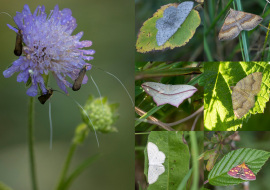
x: 138, y: 90
x: 253, y: 158
x: 149, y: 113
x: 4, y: 186
x: 147, y: 36
x: 217, y: 79
x: 185, y: 180
x: 177, y: 159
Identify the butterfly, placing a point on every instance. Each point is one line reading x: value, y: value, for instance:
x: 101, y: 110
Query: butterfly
x: 243, y: 172
x: 244, y: 92
x: 156, y: 159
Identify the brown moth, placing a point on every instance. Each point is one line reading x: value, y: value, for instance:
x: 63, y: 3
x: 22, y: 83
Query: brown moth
x: 78, y: 81
x: 237, y: 21
x: 43, y: 98
x: 18, y: 44
x: 244, y: 92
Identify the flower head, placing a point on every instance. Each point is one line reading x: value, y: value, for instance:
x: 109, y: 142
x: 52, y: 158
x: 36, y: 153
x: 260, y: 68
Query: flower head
x: 102, y: 114
x: 49, y: 46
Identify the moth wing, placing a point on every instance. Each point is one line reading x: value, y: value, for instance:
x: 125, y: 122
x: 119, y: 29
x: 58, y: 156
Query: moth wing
x: 250, y: 21
x: 229, y: 29
x: 251, y: 83
x: 155, y: 156
x: 242, y: 102
x: 243, y: 94
x: 166, y: 25
x: 168, y: 94
x: 234, y: 172
x: 249, y: 175
x: 154, y: 171
x: 183, y: 11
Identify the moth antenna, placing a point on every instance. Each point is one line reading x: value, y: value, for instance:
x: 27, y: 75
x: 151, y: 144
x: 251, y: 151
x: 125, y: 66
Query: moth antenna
x: 264, y: 27
x: 88, y: 118
x: 98, y: 91
x: 226, y: 14
x: 84, y: 113
x: 142, y: 101
x: 51, y: 128
x: 265, y: 6
x: 119, y: 82
x: 7, y: 14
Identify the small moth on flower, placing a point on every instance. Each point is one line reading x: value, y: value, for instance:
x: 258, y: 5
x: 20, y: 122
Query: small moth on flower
x: 45, y: 44
x: 43, y: 98
x: 78, y: 81
x: 18, y: 44
x: 243, y: 172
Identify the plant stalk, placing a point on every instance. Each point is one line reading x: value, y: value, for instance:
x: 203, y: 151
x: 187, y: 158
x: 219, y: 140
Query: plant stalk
x: 31, y: 142
x: 62, y: 179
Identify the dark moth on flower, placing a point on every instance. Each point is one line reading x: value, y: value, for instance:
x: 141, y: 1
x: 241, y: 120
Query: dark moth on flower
x: 48, y: 46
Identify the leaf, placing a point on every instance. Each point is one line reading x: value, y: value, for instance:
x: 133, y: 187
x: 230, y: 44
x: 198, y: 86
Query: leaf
x: 176, y: 162
x: 147, y: 36
x: 185, y: 180
x: 253, y: 158
x: 212, y: 160
x: 4, y: 186
x: 168, y: 94
x: 217, y: 79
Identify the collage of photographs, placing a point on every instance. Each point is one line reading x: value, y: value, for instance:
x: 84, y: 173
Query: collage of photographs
x: 144, y: 95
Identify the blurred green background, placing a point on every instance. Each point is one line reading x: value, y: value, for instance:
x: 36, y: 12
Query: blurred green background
x: 192, y: 51
x: 110, y: 26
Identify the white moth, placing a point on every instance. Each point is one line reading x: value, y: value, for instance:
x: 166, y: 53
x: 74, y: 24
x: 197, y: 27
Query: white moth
x: 156, y: 158
x: 171, y: 21
x: 168, y: 94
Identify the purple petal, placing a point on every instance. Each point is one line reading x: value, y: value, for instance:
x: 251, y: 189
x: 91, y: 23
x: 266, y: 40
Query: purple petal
x: 32, y: 91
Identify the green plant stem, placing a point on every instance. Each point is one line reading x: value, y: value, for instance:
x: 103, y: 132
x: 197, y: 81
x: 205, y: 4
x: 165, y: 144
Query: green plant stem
x: 244, y: 35
x: 31, y: 142
x: 195, y: 164
x: 72, y: 149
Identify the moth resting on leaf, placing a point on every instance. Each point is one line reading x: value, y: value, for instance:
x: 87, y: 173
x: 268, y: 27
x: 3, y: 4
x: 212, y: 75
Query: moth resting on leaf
x: 156, y: 160
x: 173, y: 18
x: 243, y: 172
x: 237, y: 21
x: 244, y: 92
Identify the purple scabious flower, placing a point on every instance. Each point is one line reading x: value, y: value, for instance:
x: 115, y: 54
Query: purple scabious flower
x: 49, y: 46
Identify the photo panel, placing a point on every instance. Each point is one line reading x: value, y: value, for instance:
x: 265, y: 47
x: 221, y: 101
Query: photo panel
x: 236, y: 30
x: 169, y: 30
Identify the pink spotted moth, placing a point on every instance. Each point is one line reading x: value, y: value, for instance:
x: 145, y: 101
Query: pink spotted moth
x: 243, y: 172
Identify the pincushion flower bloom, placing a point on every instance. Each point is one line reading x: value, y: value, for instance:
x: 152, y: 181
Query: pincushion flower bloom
x: 49, y: 47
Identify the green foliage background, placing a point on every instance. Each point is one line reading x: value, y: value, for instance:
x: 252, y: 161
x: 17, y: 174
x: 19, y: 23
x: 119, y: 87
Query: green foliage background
x: 110, y: 26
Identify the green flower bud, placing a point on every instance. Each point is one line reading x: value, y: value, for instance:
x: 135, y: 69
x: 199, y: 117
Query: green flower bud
x: 101, y: 113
